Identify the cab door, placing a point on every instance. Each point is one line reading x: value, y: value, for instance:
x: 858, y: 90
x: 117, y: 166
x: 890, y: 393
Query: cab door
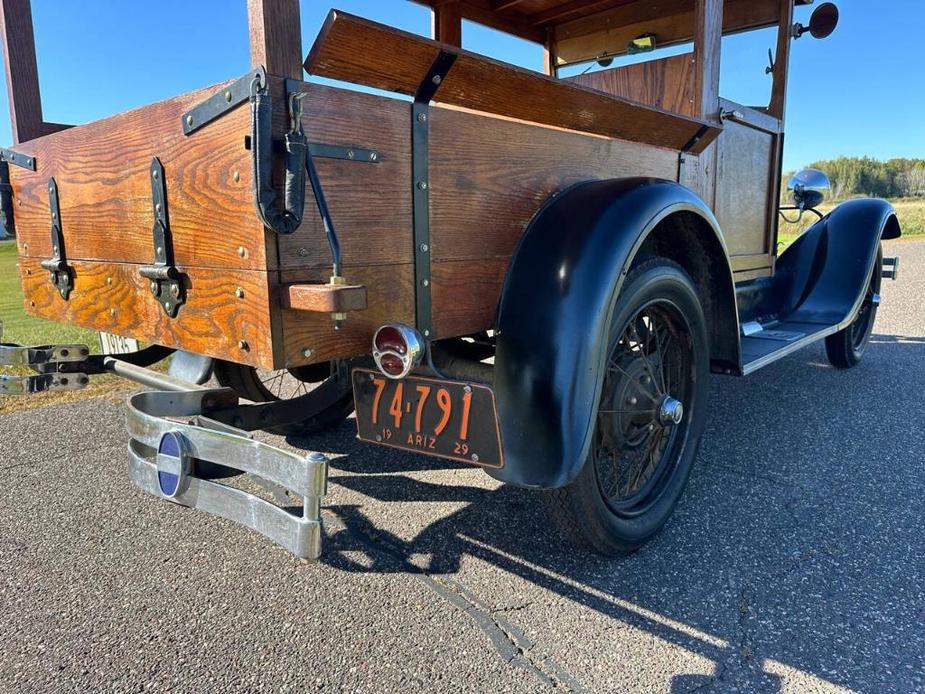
x: 746, y: 159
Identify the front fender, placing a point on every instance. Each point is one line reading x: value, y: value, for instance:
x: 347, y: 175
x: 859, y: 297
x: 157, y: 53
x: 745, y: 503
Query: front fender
x: 822, y: 276
x: 554, y: 315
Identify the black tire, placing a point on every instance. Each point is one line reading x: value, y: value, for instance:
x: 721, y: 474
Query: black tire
x: 660, y: 301
x: 258, y: 386
x: 846, y: 347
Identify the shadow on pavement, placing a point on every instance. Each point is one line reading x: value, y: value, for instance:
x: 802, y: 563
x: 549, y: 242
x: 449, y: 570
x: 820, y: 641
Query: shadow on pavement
x: 794, y: 546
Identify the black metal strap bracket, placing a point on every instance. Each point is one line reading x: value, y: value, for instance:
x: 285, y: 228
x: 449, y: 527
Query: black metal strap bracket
x: 23, y: 160
x: 167, y: 283
x: 224, y: 100
x: 420, y: 177
x: 358, y: 154
x: 61, y: 274
x: 7, y: 223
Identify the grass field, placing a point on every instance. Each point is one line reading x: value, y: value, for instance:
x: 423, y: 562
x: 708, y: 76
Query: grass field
x: 911, y: 213
x: 22, y: 328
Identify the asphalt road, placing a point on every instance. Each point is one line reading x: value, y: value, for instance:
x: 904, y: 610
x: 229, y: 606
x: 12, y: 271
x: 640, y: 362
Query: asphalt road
x: 795, y: 562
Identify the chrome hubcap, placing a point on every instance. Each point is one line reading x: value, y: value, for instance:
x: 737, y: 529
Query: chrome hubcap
x: 670, y: 411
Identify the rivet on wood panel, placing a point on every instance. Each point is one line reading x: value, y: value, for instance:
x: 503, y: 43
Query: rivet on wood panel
x: 239, y: 292
x: 189, y: 121
x: 242, y: 251
x: 303, y: 252
x: 227, y: 95
x: 236, y: 176
x: 242, y: 345
x: 307, y: 352
x: 153, y: 286
x: 112, y: 312
x: 154, y: 174
x: 19, y: 202
x: 32, y: 304
x: 109, y: 280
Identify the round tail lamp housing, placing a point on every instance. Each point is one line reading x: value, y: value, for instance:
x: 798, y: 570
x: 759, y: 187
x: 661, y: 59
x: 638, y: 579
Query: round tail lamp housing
x: 397, y: 349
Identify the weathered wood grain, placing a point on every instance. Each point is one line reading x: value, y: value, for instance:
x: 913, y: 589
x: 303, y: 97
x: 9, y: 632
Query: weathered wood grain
x: 221, y: 310
x: 102, y: 170
x: 390, y: 298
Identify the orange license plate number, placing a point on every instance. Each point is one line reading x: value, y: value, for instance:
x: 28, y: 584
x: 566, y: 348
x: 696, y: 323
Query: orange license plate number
x: 447, y: 419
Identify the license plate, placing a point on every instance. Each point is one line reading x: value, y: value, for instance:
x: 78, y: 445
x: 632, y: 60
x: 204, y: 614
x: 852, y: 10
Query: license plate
x: 447, y: 419
x: 116, y: 344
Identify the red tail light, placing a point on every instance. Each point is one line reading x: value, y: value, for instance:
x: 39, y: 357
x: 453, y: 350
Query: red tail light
x: 397, y: 349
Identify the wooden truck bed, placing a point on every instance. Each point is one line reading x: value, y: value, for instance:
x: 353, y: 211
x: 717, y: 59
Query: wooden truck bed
x: 502, y: 140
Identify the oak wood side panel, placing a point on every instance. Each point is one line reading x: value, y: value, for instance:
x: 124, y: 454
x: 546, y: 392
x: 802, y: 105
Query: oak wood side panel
x: 390, y: 297
x: 667, y: 84
x: 102, y: 170
x: 113, y: 297
x: 489, y: 176
x: 369, y: 203
x: 465, y: 295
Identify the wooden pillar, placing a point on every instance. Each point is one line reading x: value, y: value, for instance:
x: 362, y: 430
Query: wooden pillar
x: 22, y: 77
x: 446, y: 24
x: 708, y: 35
x: 550, y: 60
x: 276, y: 36
x: 782, y: 60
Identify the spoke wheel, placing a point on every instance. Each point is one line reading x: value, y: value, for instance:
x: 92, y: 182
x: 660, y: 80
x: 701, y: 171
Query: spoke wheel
x: 641, y: 425
x: 258, y: 385
x: 650, y: 414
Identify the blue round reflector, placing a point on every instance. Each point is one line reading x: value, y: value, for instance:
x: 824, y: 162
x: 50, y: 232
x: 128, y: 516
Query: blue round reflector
x: 172, y: 463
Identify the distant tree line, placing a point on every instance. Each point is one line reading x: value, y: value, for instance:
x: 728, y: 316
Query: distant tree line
x: 863, y: 176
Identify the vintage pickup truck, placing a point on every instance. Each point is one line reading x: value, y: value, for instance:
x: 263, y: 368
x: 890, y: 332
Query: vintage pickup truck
x: 531, y: 273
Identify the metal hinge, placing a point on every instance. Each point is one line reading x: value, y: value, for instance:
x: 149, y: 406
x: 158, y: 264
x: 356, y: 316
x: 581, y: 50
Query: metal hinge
x: 167, y: 283
x: 61, y: 275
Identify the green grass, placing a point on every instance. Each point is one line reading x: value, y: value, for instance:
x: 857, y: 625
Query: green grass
x: 911, y: 213
x: 22, y: 328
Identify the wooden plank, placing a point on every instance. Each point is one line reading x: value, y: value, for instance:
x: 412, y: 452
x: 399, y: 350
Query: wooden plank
x: 22, y: 77
x: 113, y: 297
x: 324, y: 298
x: 370, y: 203
x: 275, y: 36
x: 489, y: 176
x: 356, y: 50
x: 667, y: 84
x: 390, y: 291
x: 105, y: 194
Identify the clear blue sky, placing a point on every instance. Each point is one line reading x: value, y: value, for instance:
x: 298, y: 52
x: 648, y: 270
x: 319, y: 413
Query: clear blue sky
x: 860, y: 92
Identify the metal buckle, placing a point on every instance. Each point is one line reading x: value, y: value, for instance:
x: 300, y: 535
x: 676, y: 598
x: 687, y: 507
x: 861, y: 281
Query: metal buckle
x: 171, y: 434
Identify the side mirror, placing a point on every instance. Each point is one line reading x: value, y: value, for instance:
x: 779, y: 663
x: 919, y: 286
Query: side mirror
x: 808, y: 189
x: 821, y: 24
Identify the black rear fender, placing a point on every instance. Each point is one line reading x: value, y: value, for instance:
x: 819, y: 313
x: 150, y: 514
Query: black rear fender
x: 558, y: 299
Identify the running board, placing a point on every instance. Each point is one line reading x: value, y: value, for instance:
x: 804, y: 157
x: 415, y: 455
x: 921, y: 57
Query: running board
x: 768, y: 343
x: 175, y: 447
